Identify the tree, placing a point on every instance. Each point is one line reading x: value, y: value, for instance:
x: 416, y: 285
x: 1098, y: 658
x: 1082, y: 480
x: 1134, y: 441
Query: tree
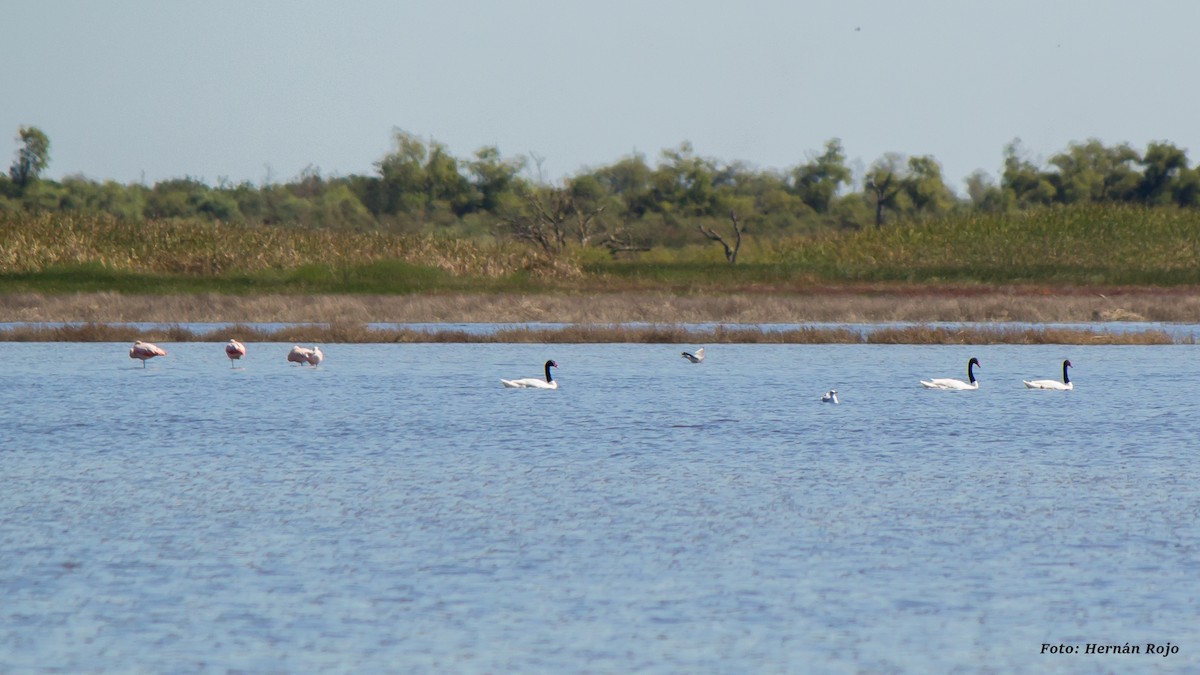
x: 1164, y: 164
x: 983, y: 192
x: 818, y: 182
x: 1023, y: 180
x: 683, y: 182
x: 552, y: 218
x: 731, y: 253
x: 923, y: 185
x: 402, y: 176
x: 883, y: 184
x: 495, y: 179
x: 32, y: 157
x: 1090, y: 172
x: 632, y: 181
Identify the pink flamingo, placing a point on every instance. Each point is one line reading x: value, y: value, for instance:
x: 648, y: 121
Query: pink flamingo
x: 145, y: 351
x: 234, y: 350
x: 298, y: 355
x: 315, y: 357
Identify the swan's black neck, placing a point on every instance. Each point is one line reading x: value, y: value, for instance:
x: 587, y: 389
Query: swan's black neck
x: 548, y: 378
x: 1067, y: 380
x: 971, y: 372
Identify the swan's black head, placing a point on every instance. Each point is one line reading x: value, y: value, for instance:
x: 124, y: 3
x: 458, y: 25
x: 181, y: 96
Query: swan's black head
x: 973, y: 362
x: 1067, y: 363
x: 551, y: 364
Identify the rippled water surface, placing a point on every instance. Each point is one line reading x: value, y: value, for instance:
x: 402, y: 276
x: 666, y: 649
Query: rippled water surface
x: 397, y: 510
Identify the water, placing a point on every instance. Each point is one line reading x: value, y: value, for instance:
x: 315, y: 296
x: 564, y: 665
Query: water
x: 396, y: 510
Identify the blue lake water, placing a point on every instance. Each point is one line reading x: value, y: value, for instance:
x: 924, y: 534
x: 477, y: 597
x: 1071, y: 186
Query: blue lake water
x: 397, y: 510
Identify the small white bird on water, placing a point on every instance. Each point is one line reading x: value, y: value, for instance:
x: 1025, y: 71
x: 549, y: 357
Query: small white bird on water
x: 694, y: 357
x: 830, y: 397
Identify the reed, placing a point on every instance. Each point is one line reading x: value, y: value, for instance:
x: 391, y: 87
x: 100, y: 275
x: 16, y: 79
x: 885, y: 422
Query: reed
x: 356, y: 333
x: 116, y: 251
x: 1072, y: 245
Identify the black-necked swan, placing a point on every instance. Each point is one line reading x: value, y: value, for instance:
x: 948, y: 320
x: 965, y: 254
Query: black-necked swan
x: 695, y: 357
x: 1066, y: 383
x: 830, y: 397
x: 950, y: 383
x: 533, y: 382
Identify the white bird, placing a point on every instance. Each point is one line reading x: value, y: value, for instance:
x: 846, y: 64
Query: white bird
x: 533, y: 382
x: 830, y: 397
x: 234, y: 350
x: 299, y: 355
x: 315, y: 357
x: 950, y: 383
x: 696, y: 357
x: 1065, y: 385
x: 145, y: 351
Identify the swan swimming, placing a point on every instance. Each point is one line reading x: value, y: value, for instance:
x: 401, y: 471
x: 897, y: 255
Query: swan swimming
x: 1065, y: 385
x: 950, y: 383
x: 830, y: 397
x: 696, y: 357
x: 533, y: 382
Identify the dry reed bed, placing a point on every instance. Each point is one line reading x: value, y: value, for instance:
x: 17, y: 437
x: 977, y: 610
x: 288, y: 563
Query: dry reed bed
x: 832, y: 305
x: 590, y: 334
x: 32, y: 243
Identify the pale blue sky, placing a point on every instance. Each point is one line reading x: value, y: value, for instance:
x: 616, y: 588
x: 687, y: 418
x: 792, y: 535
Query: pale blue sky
x: 245, y: 90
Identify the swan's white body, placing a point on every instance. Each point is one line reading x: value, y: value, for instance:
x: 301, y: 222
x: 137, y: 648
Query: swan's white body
x: 1065, y: 385
x: 695, y: 357
x: 234, y: 350
x: 830, y: 397
x: 953, y: 384
x: 145, y: 351
x: 533, y: 382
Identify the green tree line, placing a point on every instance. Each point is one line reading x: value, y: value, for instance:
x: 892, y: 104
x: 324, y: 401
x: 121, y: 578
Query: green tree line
x: 683, y: 198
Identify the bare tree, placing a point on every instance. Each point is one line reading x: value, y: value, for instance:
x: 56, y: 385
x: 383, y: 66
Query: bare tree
x: 552, y: 219
x: 731, y: 253
x: 621, y: 241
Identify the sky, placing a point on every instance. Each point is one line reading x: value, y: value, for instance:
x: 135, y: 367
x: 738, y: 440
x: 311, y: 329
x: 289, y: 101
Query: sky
x: 260, y: 91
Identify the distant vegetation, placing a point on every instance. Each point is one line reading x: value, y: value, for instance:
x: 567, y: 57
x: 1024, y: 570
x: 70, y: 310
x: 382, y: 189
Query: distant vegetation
x: 429, y: 221
x: 1074, y: 245
x: 590, y: 334
x: 420, y: 188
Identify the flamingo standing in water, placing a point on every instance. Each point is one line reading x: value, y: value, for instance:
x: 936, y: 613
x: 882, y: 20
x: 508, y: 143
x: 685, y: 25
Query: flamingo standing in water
x: 145, y: 351
x: 234, y: 350
x: 315, y: 357
x: 298, y: 355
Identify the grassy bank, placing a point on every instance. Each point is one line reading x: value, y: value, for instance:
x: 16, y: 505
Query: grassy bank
x: 1066, y: 246
x: 847, y: 303
x: 592, y: 334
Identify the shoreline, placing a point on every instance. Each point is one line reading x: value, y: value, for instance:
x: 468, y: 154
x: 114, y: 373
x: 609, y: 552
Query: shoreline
x: 840, y: 304
x: 642, y: 317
